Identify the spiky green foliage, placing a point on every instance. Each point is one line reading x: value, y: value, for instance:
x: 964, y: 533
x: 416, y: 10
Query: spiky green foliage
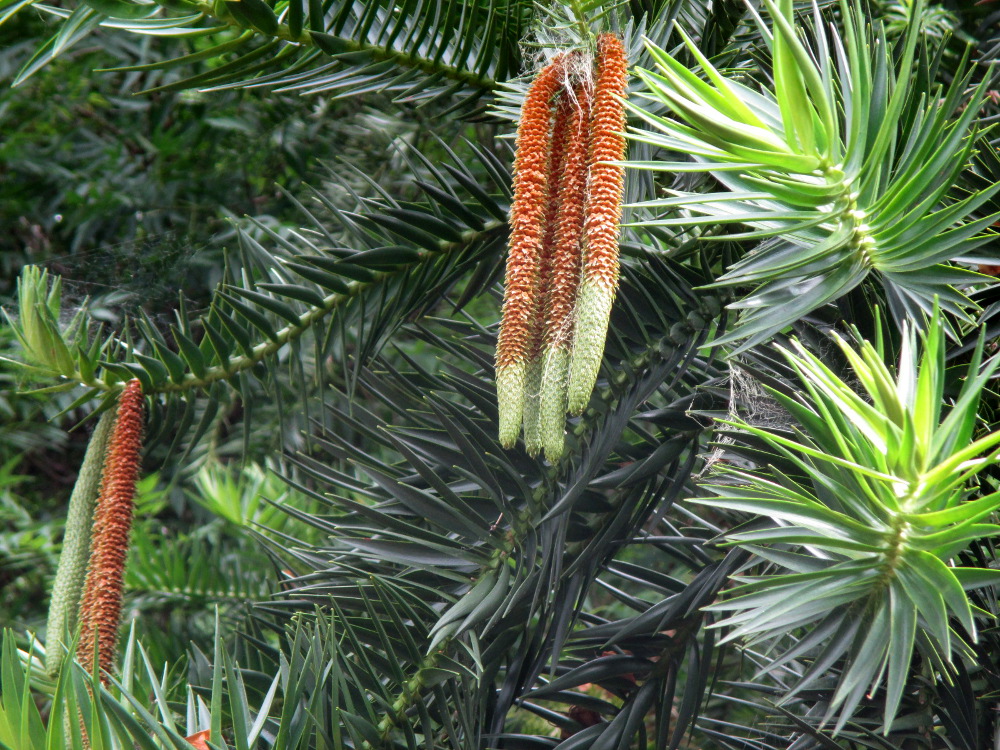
x: 150, y: 707
x: 930, y: 19
x: 882, y: 500
x: 416, y: 52
x: 846, y: 167
x: 454, y: 546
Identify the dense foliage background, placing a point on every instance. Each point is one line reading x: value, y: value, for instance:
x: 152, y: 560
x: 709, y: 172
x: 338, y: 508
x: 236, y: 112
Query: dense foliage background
x: 338, y: 520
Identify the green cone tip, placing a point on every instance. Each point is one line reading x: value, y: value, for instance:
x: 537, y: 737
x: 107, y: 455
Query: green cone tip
x: 553, y: 406
x: 532, y: 411
x: 593, y: 311
x: 510, y: 401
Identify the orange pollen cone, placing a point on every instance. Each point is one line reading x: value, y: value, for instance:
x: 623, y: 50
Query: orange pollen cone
x: 567, y: 249
x: 562, y: 265
x: 562, y: 143
x: 527, y: 214
x: 101, y: 603
x: 607, y: 181
x: 596, y: 294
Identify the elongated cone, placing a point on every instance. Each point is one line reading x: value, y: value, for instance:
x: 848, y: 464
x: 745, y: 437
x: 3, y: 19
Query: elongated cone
x: 68, y: 583
x: 566, y: 263
x: 527, y: 232
x: 603, y: 211
x: 562, y: 131
x: 101, y: 604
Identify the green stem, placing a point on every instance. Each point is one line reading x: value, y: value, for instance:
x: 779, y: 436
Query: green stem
x: 896, y: 543
x: 412, y: 691
x: 72, y: 567
x: 851, y: 216
x: 582, y: 24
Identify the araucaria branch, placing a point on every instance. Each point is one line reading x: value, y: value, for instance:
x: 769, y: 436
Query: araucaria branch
x: 562, y: 267
x: 101, y: 603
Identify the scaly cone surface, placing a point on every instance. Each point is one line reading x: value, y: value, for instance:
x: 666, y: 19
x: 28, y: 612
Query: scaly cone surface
x: 101, y: 604
x: 566, y: 262
x: 562, y: 132
x: 562, y: 267
x: 603, y: 214
x: 527, y: 232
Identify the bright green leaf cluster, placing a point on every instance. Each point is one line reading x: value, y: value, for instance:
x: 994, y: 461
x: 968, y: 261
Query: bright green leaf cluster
x: 935, y: 21
x: 145, y: 707
x: 46, y: 345
x: 844, y: 170
x: 52, y: 348
x: 868, y: 529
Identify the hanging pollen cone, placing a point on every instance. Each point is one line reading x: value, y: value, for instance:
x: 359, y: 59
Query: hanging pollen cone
x: 604, y: 211
x: 562, y: 135
x: 567, y: 262
x: 562, y: 265
x: 527, y: 233
x: 101, y: 603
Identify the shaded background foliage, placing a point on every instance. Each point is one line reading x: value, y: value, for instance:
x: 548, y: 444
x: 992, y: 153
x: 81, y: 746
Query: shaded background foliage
x: 132, y: 199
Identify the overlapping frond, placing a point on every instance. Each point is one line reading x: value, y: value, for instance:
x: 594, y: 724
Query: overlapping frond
x: 490, y: 554
x: 417, y: 52
x: 344, y: 283
x: 449, y: 593
x: 192, y: 574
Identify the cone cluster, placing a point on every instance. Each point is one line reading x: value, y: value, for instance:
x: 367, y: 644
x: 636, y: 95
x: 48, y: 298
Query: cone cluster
x: 562, y: 265
x: 101, y: 602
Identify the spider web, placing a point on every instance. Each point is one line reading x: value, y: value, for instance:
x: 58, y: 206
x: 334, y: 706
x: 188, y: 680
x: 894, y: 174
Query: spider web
x: 750, y: 403
x: 117, y: 281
